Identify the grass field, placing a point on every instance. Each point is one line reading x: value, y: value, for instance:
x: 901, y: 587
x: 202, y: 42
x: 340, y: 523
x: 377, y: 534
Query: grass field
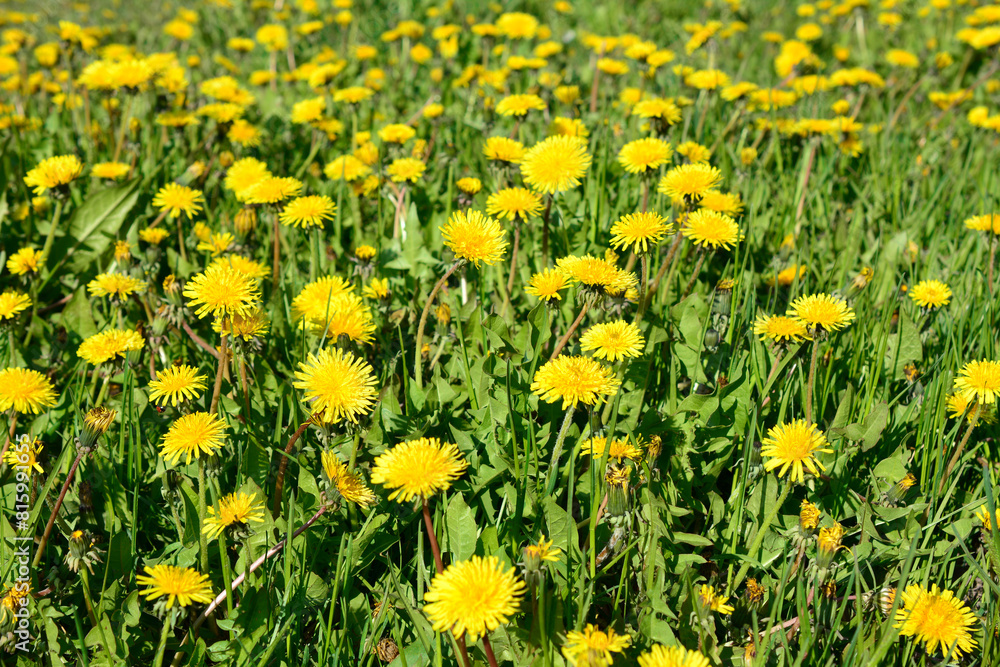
x: 334, y: 333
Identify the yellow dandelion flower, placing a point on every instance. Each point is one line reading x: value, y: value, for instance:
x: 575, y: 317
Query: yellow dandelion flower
x: 930, y: 294
x: 53, y: 172
x: 236, y: 509
x: 469, y: 185
x: 808, y: 515
x: 177, y: 199
x: 26, y: 391
x: 351, y: 487
x: 547, y: 285
x: 193, y: 435
x: 709, y: 229
x: 574, y: 380
x: 243, y: 174
x: 473, y: 597
x: 985, y: 223
x: 247, y: 267
x: 12, y: 304
x: 337, y: 384
x: 687, y: 183
x: 116, y: 285
x: 722, y: 202
x: 396, y: 133
x: 672, y: 656
x: 418, y: 468
x: 979, y: 381
x: 615, y: 449
x: 638, y: 231
x: 519, y: 105
x: 406, y: 169
x: 243, y: 133
x: 642, y: 155
x: 514, y: 203
x: 714, y: 601
x: 660, y: 109
x: 176, y: 384
x: 272, y: 190
x: 179, y: 585
x: 474, y: 237
x: 502, y: 149
x: 347, y: 168
x: 594, y: 643
x: 153, y: 235
x: 25, y: 459
x: 222, y: 291
x: 308, y: 211
x: 107, y: 345
x: 253, y: 325
x: 541, y: 552
x: 938, y: 619
x: 822, y: 312
x: 614, y: 341
x: 779, y: 329
x: 555, y: 164
x: 794, y: 446
x: 110, y: 170
x: 983, y: 514
x: 24, y: 261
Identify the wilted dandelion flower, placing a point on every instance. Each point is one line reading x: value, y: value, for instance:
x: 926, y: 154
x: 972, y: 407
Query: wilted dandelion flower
x: 983, y: 514
x: 12, y: 304
x: 979, y: 381
x: 794, y: 446
x: 350, y: 486
x: 547, y: 284
x: 474, y: 237
x: 584, y: 647
x: 176, y: 384
x: 713, y: 600
x: 25, y: 391
x: 53, y: 172
x: 672, y: 656
x: 338, y: 384
x: 222, y: 291
x: 177, y: 199
x: 574, y: 380
x: 236, y: 509
x: 822, y: 312
x: 193, y: 435
x: 637, y: 231
x: 180, y: 585
x: 930, y: 294
x: 779, y: 329
x: 687, y: 183
x: 808, y: 515
x: 514, y: 203
x: 418, y: 468
x: 642, y: 155
x: 107, y: 345
x: 473, y: 597
x: 116, y: 285
x: 938, y: 619
x: 614, y: 341
x: 308, y: 211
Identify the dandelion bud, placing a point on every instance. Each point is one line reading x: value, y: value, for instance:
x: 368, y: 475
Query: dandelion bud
x: 828, y: 544
x: 886, y: 598
x: 723, y: 297
x: 535, y: 556
x: 899, y: 490
x: 618, y: 488
x: 226, y: 158
x: 246, y: 220
x: 712, y: 339
x: 654, y: 447
x: 95, y: 424
x: 808, y: 516
x: 82, y: 551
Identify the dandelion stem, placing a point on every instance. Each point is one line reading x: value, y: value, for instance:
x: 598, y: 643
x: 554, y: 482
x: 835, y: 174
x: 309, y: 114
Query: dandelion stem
x: 417, y: 370
x: 202, y: 538
x: 438, y: 563
x: 489, y: 651
x: 513, y: 266
x: 759, y: 537
x: 961, y: 447
x: 694, y: 274
x: 770, y: 376
x: 280, y: 483
x: 168, y: 625
x: 276, y: 252
x: 993, y: 253
x: 811, y: 380
x: 55, y: 509
x: 223, y: 358
x: 666, y: 267
x: 553, y: 472
x: 545, y: 230
x: 124, y: 128
x: 56, y: 214
x: 576, y: 323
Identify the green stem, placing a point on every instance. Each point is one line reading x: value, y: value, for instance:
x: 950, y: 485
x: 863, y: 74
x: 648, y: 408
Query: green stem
x: 811, y: 380
x: 56, y: 214
x: 168, y: 623
x: 417, y: 359
x: 202, y: 538
x: 85, y: 581
x: 221, y: 369
x: 557, y: 451
x: 759, y: 537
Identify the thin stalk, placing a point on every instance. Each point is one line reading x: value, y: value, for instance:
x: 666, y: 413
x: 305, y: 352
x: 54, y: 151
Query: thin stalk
x: 220, y: 370
x: 576, y: 323
x: 168, y: 624
x: 759, y: 537
x: 811, y: 380
x: 545, y: 230
x: 276, y: 252
x: 280, y: 483
x: 961, y: 448
x: 993, y: 253
x: 553, y: 473
x: 124, y: 128
x: 202, y: 538
x: 432, y: 537
x: 513, y: 266
x: 694, y: 274
x: 55, y: 510
x: 770, y: 376
x: 417, y: 369
x: 666, y: 267
x: 489, y: 651
x: 56, y: 214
